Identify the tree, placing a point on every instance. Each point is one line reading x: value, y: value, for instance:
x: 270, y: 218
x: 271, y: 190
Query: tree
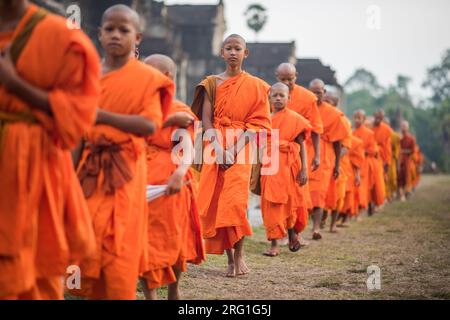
x: 256, y: 18
x: 402, y: 85
x: 438, y: 80
x: 363, y: 79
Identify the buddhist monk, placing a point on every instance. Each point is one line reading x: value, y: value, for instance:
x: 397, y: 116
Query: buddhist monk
x: 352, y: 162
x: 335, y: 129
x: 383, y: 134
x: 174, y: 236
x: 391, y: 185
x: 334, y: 201
x: 304, y: 102
x: 279, y: 209
x: 48, y: 101
x: 112, y: 169
x: 407, y: 147
x: 372, y: 186
x: 233, y: 103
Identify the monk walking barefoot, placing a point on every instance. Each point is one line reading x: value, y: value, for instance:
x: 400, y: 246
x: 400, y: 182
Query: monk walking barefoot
x: 233, y: 107
x: 279, y: 209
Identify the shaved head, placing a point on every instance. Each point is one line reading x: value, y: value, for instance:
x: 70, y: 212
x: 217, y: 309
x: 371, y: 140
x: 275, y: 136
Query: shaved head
x: 378, y: 117
x: 163, y: 63
x: 287, y: 73
x: 287, y: 67
x: 237, y: 37
x: 317, y: 83
x: 132, y: 15
x: 317, y: 86
x: 281, y: 86
x: 331, y: 98
x: 404, y: 126
x: 359, y: 117
x: 360, y: 112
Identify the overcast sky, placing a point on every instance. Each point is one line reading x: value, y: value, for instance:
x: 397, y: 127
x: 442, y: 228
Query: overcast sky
x: 412, y: 35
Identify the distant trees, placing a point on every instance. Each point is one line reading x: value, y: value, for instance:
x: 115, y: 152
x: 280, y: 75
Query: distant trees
x: 431, y: 125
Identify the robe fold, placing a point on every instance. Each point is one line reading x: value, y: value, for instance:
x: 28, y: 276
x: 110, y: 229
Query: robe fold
x: 304, y: 102
x: 174, y: 232
x: 335, y: 128
x: 113, y: 174
x: 285, y: 210
x: 372, y: 183
x: 392, y: 186
x: 44, y: 220
x: 241, y: 102
x: 406, y: 167
x: 354, y: 158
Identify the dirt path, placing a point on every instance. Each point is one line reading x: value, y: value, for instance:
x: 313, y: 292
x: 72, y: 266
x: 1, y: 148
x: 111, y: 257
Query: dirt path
x: 410, y: 242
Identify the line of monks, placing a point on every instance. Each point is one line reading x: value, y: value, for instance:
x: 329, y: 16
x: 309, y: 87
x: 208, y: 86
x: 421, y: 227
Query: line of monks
x: 81, y: 138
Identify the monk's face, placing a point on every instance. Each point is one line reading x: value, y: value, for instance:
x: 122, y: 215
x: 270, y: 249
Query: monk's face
x: 234, y: 51
x: 319, y: 91
x: 358, y: 119
x: 288, y: 77
x: 118, y: 34
x: 378, y: 118
x: 278, y: 98
x: 404, y: 127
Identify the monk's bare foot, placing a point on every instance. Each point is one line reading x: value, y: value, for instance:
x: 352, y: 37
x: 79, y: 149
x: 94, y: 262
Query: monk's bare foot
x: 322, y: 225
x: 272, y: 252
x: 333, y: 229
x: 303, y: 242
x: 241, y: 267
x: 231, y: 273
x: 316, y: 236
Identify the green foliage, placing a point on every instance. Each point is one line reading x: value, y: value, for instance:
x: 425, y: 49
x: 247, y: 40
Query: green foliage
x: 431, y: 125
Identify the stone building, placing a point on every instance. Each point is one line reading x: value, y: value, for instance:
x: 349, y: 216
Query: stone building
x: 192, y: 36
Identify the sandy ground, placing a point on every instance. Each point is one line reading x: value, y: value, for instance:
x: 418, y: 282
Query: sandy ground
x: 409, y: 242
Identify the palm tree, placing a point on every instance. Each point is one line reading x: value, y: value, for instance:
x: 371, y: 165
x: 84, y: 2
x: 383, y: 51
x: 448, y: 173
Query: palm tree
x: 256, y: 18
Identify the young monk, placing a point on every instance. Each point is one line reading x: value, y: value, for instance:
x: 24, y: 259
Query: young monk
x: 335, y: 197
x: 174, y: 236
x: 335, y: 129
x: 407, y: 147
x: 304, y: 102
x: 231, y: 100
x: 112, y: 169
x: 383, y: 134
x: 279, y: 209
x: 48, y: 101
x: 370, y: 190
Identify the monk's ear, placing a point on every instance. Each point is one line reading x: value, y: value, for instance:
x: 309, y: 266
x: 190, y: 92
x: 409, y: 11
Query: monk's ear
x: 99, y: 33
x: 246, y: 53
x: 222, y: 52
x: 138, y: 38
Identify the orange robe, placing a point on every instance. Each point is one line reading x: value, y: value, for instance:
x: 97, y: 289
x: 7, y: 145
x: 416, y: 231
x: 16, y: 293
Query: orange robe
x: 174, y: 235
x: 383, y: 135
x: 354, y: 158
x: 334, y: 200
x: 241, y: 103
x: 335, y: 128
x: 405, y: 178
x: 113, y: 175
x: 391, y: 186
x: 372, y: 184
x: 304, y: 102
x: 279, y: 209
x: 44, y: 221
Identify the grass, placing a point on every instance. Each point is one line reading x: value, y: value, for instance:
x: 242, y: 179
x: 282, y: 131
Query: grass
x: 409, y: 241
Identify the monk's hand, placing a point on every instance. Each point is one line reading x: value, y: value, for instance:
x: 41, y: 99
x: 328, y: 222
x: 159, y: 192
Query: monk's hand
x: 8, y: 73
x: 302, y: 177
x: 181, y: 119
x: 336, y: 172
x: 386, y: 168
x: 315, y: 163
x: 175, y: 183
